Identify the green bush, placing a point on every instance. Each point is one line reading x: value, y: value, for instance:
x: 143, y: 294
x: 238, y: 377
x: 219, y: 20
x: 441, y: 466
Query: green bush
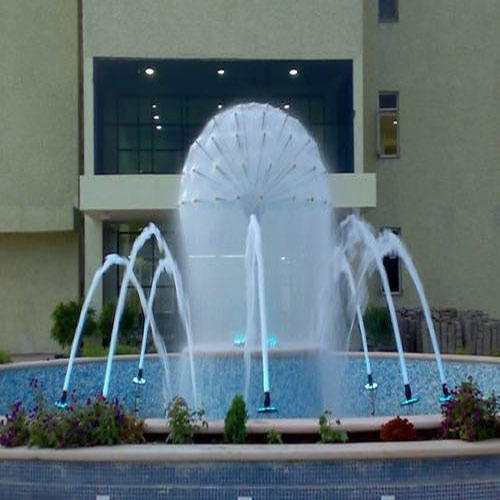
x: 235, y: 430
x: 97, y: 422
x: 4, y: 357
x: 183, y: 421
x: 470, y: 416
x: 274, y: 437
x: 129, y: 324
x: 378, y: 326
x: 93, y: 349
x: 326, y: 431
x: 65, y: 319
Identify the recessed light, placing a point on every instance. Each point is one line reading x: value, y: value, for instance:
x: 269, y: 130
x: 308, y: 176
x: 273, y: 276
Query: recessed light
x: 158, y: 127
x: 219, y: 106
x: 149, y: 71
x: 286, y: 106
x: 293, y: 72
x: 156, y: 117
x: 220, y: 71
x: 154, y: 106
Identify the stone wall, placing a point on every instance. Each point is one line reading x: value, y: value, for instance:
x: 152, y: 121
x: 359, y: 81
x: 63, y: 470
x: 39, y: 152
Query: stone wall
x: 461, y: 332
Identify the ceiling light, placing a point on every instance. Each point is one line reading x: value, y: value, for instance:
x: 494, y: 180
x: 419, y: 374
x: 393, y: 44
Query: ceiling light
x: 220, y: 71
x: 156, y: 117
x: 158, y: 127
x: 149, y: 71
x: 293, y: 72
x: 286, y: 106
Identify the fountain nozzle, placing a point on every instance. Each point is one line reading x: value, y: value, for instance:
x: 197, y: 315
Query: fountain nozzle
x: 409, y: 399
x: 62, y: 403
x: 371, y: 386
x: 446, y: 397
x: 139, y: 379
x: 267, y: 408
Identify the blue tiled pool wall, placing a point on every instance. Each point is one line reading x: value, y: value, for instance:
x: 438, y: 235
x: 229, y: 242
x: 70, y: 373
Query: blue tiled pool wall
x: 302, y: 385
x: 460, y: 478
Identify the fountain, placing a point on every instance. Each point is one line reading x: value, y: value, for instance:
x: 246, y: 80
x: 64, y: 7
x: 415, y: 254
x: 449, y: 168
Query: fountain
x: 261, y: 253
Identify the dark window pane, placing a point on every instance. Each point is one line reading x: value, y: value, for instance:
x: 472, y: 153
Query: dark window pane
x: 169, y: 138
x: 146, y: 137
x: 170, y: 110
x: 387, y: 10
x: 127, y: 137
x: 127, y: 110
x: 316, y: 110
x: 145, y: 162
x: 388, y: 100
x: 392, y: 269
x: 127, y: 162
x: 109, y: 150
x: 168, y: 162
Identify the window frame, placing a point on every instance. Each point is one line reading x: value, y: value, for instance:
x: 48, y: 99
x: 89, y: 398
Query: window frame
x: 397, y: 231
x: 385, y: 111
x: 394, y: 19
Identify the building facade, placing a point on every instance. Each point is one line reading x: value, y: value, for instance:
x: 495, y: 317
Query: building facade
x: 100, y: 101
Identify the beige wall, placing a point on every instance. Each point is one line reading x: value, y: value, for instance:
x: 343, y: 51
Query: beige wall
x: 36, y: 272
x: 39, y: 114
x: 444, y: 191
x: 240, y: 29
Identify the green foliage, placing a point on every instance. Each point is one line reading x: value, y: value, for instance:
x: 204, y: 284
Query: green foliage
x: 97, y: 422
x: 183, y: 421
x: 378, y: 326
x: 326, y: 431
x: 129, y: 324
x: 470, y: 416
x: 398, y: 429
x: 235, y: 430
x: 65, y: 319
x: 93, y: 349
x: 274, y: 437
x: 4, y: 357
x: 14, y: 431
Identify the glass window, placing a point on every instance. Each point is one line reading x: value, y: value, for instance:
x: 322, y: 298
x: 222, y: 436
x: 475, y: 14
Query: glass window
x: 146, y: 124
x: 392, y: 267
x: 387, y: 11
x: 388, y: 125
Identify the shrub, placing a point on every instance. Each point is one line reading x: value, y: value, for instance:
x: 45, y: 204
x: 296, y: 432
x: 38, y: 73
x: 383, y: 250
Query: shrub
x: 327, y: 433
x: 97, y: 422
x: 398, y: 429
x: 274, y: 437
x: 183, y: 421
x: 14, y: 430
x: 96, y: 350
x: 65, y: 319
x: 235, y: 430
x: 4, y: 357
x: 378, y: 326
x: 129, y: 324
x: 470, y: 416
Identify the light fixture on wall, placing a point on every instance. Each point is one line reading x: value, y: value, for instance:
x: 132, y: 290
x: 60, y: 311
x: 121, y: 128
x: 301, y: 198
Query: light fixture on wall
x: 293, y: 72
x: 154, y: 106
x: 149, y: 71
x: 158, y: 127
x: 220, y: 71
x: 156, y: 117
x: 220, y: 105
x: 286, y: 106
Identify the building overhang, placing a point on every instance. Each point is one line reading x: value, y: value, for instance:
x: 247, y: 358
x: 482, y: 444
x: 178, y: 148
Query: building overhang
x: 122, y: 197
